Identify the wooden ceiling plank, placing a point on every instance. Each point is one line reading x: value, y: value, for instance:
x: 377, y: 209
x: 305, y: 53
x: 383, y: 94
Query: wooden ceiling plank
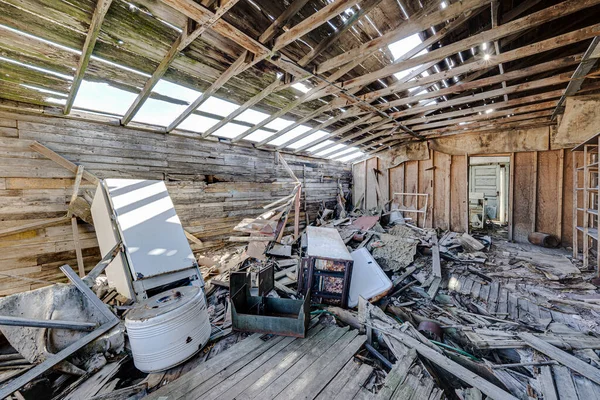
x: 185, y: 39
x: 532, y: 20
x: 88, y: 47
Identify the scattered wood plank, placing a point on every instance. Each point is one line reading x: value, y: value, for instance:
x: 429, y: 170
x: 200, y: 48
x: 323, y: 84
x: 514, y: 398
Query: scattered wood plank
x: 562, y: 357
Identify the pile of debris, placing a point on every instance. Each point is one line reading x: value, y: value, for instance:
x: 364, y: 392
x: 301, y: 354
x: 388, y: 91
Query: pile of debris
x: 419, y: 313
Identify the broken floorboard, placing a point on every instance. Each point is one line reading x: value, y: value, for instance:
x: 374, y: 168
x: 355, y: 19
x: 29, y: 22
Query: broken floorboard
x: 276, y: 367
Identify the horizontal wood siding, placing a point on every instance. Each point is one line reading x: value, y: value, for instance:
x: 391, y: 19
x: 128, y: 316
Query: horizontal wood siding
x: 213, y: 185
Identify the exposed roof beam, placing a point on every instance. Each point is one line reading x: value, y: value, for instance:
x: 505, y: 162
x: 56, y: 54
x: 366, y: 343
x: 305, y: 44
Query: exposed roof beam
x: 351, y: 65
x: 313, y: 21
x: 277, y: 83
x: 189, y: 34
x: 203, y: 15
x: 519, y: 9
x: 496, y: 106
x: 525, y: 51
x: 540, y: 83
x: 346, y: 139
x: 487, y: 116
x: 458, y: 88
x: 333, y: 37
x: 339, y: 131
x: 495, y: 17
x: 349, y: 114
x: 335, y: 103
x: 241, y: 64
x: 532, y: 20
x: 282, y: 20
x: 335, y: 76
x: 406, y: 29
x: 216, y: 85
x: 587, y: 63
x: 88, y: 47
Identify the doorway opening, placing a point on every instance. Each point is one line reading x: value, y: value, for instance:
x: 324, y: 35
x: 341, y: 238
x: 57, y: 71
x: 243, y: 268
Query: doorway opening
x: 489, y: 186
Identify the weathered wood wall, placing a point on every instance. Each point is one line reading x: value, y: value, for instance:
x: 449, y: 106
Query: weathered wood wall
x: 542, y: 190
x: 213, y: 185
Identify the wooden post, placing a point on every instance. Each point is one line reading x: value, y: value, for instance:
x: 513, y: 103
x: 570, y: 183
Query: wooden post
x: 534, y: 197
x: 561, y: 173
x: 297, y: 213
x: 78, y: 252
x: 511, y: 196
x: 575, y: 183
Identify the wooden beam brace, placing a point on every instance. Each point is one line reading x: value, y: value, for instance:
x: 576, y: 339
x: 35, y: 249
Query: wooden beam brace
x: 587, y: 63
x: 63, y: 162
x: 530, y: 21
x: 185, y: 39
x: 88, y: 47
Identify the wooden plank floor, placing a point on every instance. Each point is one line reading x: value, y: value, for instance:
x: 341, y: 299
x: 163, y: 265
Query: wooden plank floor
x: 276, y: 367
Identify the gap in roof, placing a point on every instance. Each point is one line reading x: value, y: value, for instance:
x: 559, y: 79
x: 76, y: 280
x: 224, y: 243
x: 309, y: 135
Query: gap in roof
x: 302, y: 87
x: 403, y: 46
x: 161, y: 112
x: 214, y: 105
x: 351, y: 156
x: 320, y: 145
x: 309, y: 139
x: 343, y: 152
x: 335, y: 148
x: 297, y: 131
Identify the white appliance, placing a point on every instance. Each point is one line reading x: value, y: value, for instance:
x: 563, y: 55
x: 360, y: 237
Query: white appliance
x: 368, y: 279
x: 140, y: 213
x: 168, y: 328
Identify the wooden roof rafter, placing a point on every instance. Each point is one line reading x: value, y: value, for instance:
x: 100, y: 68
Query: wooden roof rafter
x: 241, y: 64
x: 187, y: 36
x: 88, y: 47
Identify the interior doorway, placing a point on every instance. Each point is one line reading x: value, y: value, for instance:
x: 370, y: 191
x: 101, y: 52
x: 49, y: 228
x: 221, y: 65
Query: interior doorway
x: 489, y: 187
